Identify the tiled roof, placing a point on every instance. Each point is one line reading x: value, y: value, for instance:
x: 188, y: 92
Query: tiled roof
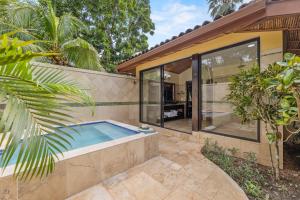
x: 186, y: 31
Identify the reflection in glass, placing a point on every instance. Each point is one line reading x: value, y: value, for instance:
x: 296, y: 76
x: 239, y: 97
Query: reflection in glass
x: 151, y: 96
x: 216, y: 69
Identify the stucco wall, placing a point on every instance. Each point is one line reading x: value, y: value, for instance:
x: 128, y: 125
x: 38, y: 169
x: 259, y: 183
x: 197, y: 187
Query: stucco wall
x: 271, y: 50
x: 116, y: 96
x: 270, y: 43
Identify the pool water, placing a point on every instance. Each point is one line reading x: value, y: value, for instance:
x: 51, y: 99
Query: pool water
x: 90, y: 134
x: 98, y: 132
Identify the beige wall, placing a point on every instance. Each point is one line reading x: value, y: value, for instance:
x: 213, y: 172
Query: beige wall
x: 116, y: 96
x: 271, y: 50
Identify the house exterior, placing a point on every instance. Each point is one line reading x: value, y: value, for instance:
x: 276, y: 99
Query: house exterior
x: 184, y: 80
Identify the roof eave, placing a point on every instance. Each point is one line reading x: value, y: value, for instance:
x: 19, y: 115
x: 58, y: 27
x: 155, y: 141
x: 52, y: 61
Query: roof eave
x: 283, y: 7
x: 230, y: 23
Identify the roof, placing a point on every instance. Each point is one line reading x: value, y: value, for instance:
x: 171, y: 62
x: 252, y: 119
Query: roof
x: 255, y: 16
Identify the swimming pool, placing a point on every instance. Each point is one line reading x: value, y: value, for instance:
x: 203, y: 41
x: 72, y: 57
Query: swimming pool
x: 101, y: 150
x: 89, y: 134
x: 96, y: 132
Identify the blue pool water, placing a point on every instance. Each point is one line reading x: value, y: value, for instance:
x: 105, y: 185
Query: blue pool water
x: 92, y: 133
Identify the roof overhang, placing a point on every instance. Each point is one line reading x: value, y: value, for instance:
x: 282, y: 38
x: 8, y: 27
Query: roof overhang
x: 250, y: 16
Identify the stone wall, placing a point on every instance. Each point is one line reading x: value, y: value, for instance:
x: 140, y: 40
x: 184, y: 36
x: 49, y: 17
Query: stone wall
x: 116, y: 96
x: 83, y: 168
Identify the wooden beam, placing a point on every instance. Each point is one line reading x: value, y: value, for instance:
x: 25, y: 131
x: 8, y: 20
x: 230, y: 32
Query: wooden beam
x: 195, y: 92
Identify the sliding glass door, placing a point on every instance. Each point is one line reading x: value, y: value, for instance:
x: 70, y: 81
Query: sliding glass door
x: 216, y: 69
x: 150, y: 104
x: 165, y: 95
x: 166, y: 92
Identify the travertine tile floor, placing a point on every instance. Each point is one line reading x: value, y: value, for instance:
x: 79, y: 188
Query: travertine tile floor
x: 181, y: 172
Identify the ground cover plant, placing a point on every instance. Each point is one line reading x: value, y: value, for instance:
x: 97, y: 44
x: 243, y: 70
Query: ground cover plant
x: 256, y: 180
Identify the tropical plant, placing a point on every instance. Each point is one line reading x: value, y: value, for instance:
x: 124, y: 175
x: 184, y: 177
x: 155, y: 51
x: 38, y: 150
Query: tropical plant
x: 222, y: 7
x: 252, y: 100
x: 288, y: 82
x: 35, y: 106
x: 118, y: 29
x: 271, y: 95
x: 61, y: 35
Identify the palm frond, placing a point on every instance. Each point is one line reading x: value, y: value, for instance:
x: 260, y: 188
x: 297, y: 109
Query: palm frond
x: 81, y: 54
x: 39, y: 22
x: 33, y: 112
x: 51, y: 22
x: 8, y: 46
x: 20, y: 14
x: 23, y: 34
x: 36, y: 106
x: 69, y: 26
x: 221, y: 7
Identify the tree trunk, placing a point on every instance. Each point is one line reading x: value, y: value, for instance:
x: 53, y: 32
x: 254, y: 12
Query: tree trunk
x: 297, y: 97
x: 277, y: 168
x: 272, y: 161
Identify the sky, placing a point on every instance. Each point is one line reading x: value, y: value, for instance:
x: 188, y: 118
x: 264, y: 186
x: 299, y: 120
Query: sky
x: 174, y: 16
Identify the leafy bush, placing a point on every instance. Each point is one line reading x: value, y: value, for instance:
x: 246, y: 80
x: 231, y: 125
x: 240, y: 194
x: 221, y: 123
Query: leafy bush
x: 245, y: 173
x: 271, y: 95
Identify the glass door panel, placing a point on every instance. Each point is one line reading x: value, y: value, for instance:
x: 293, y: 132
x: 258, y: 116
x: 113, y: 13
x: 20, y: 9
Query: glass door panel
x: 151, y: 96
x: 216, y: 69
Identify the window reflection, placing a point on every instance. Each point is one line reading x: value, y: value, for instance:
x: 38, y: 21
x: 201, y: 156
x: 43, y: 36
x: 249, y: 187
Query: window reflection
x: 216, y: 69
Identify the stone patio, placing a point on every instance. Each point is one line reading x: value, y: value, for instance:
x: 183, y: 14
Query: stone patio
x: 181, y: 172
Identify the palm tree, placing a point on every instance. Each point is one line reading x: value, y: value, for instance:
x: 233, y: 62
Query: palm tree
x: 222, y: 7
x: 61, y: 35
x: 34, y: 109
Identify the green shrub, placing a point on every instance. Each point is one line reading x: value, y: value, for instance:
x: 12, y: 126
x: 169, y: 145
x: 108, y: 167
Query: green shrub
x: 244, y: 172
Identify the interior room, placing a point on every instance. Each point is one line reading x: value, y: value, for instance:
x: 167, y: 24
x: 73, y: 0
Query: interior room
x: 177, y: 105
x: 166, y: 92
x: 217, y: 67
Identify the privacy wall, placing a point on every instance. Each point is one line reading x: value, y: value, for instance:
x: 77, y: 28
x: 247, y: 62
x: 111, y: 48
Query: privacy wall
x: 116, y: 96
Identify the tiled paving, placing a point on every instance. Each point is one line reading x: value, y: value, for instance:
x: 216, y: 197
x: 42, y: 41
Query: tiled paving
x: 181, y: 172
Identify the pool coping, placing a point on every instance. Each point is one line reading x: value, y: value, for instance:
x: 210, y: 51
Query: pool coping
x: 91, y: 148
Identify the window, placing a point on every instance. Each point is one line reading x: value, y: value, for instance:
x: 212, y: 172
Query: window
x: 150, y: 111
x: 216, y: 68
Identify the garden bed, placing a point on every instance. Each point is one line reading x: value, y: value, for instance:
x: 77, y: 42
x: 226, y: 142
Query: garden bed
x: 256, y: 180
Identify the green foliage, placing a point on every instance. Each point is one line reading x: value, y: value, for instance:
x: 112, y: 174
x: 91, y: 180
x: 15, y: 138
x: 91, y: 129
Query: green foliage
x: 245, y: 172
x: 253, y: 189
x: 271, y: 95
x: 118, y: 29
x: 34, y: 109
x: 61, y: 35
x: 222, y: 7
x: 287, y: 82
